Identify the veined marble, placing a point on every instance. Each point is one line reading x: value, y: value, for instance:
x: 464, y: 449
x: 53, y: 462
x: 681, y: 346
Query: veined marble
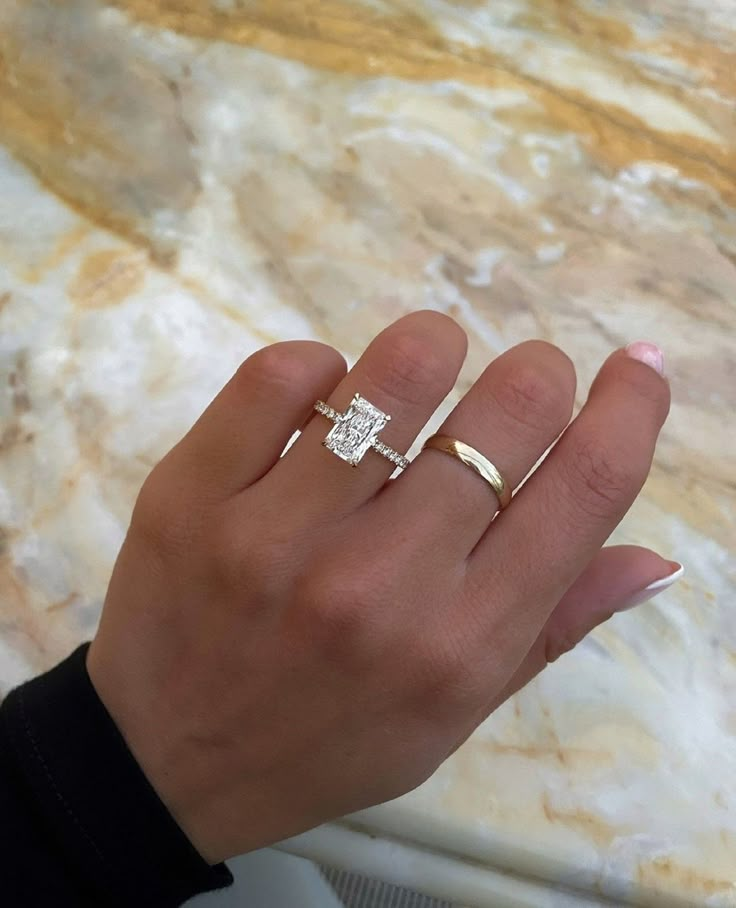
x: 183, y: 181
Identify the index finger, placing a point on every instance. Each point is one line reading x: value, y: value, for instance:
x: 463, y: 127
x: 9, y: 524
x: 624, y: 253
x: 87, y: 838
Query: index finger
x: 535, y: 550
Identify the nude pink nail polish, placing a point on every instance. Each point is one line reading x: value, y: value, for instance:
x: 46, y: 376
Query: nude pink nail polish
x: 654, y: 589
x: 649, y: 354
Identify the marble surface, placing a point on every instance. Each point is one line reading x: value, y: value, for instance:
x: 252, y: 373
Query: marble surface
x: 183, y: 181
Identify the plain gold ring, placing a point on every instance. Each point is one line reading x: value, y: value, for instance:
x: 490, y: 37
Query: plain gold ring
x: 476, y: 461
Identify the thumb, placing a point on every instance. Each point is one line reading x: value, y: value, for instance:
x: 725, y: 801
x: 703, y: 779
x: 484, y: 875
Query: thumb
x: 618, y: 578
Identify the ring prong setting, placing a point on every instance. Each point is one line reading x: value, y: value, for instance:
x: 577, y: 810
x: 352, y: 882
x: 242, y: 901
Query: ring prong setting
x: 356, y: 431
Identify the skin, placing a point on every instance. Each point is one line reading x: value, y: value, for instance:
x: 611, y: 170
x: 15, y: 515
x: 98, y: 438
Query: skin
x: 288, y: 639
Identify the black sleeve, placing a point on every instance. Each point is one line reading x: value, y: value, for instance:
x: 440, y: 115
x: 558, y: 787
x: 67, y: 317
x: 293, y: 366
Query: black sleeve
x: 80, y: 824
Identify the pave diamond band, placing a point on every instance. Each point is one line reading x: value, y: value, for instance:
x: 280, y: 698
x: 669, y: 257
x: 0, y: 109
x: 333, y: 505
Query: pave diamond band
x: 356, y: 431
x: 326, y: 410
x: 390, y: 454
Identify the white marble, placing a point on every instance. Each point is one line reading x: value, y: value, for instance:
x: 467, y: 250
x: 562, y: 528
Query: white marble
x: 184, y: 182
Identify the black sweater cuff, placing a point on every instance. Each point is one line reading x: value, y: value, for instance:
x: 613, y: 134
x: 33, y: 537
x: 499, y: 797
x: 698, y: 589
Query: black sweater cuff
x: 80, y: 780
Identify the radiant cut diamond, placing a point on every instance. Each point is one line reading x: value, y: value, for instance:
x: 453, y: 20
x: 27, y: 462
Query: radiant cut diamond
x: 354, y: 431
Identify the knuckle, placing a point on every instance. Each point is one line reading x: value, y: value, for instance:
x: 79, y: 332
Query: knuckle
x: 529, y: 396
x: 255, y: 566
x: 447, y: 679
x: 598, y: 478
x: 239, y: 566
x: 336, y: 612
x: 407, y: 364
x: 158, y: 519
x: 225, y: 568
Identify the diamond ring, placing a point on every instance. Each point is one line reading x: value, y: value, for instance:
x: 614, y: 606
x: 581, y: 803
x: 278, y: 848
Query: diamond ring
x: 356, y: 430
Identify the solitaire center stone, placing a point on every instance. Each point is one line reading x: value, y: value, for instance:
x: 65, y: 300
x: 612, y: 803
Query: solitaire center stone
x: 354, y: 432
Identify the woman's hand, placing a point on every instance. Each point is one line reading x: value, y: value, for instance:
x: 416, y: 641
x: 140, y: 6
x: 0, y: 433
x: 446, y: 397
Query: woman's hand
x: 288, y: 639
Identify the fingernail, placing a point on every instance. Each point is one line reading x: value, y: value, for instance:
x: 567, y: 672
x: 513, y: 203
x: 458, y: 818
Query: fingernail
x: 646, y: 353
x: 654, y: 589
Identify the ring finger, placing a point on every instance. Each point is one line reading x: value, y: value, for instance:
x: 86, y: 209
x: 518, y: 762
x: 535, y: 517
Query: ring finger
x: 406, y: 372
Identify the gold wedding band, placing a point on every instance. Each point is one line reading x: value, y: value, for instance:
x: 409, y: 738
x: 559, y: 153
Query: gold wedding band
x: 476, y: 461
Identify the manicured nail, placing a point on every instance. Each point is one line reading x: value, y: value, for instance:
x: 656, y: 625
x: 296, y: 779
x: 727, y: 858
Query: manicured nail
x: 654, y: 589
x: 649, y: 354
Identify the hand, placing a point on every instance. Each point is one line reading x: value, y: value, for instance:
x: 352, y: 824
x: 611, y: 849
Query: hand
x: 288, y: 639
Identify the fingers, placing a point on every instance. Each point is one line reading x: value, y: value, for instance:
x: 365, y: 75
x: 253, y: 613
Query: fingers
x: 244, y: 430
x: 567, y: 509
x: 406, y: 371
x: 512, y: 414
x: 619, y: 578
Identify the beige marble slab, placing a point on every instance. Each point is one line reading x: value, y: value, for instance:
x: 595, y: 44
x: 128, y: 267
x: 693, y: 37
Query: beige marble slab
x: 183, y: 182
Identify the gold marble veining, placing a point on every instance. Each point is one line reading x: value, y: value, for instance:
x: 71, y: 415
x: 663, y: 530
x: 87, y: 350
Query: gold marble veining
x: 34, y: 111
x: 664, y: 870
x: 41, y: 113
x: 183, y: 182
x: 107, y: 277
x: 711, y: 64
x: 63, y: 246
x: 358, y: 41
x: 587, y: 822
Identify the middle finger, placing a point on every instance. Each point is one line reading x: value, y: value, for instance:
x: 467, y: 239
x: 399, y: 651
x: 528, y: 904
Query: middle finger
x: 512, y: 414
